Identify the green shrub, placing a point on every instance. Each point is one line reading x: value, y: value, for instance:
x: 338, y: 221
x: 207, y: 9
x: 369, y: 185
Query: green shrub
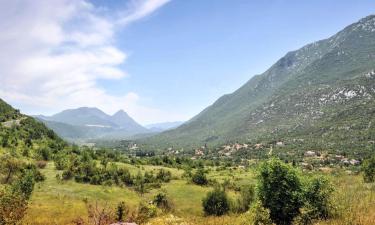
x: 24, y: 185
x: 216, y: 203
x: 163, y: 202
x: 260, y: 215
x: 164, y: 175
x: 199, y: 177
x: 145, y: 212
x: 317, y: 196
x: 280, y: 191
x: 368, y: 168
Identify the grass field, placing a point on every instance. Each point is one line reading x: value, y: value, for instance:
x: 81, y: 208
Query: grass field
x: 56, y: 202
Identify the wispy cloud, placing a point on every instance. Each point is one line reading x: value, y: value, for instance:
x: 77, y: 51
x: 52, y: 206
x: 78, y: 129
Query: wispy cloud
x: 52, y: 54
x: 139, y: 9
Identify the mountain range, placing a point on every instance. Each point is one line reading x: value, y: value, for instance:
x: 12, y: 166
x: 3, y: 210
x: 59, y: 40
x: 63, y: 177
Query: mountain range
x: 321, y: 94
x: 91, y: 123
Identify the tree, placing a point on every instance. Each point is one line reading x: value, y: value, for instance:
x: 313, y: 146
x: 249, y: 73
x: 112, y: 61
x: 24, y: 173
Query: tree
x: 216, y: 203
x: 9, y: 167
x: 280, y: 191
x: 368, y: 168
x: 199, y: 177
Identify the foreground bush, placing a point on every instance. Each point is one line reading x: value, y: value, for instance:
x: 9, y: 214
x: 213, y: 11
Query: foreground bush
x: 280, y: 191
x: 260, y: 215
x: 13, y: 206
x: 317, y: 196
x: 216, y: 203
x: 145, y: 212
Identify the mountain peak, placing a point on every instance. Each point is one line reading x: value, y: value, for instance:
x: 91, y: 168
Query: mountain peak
x: 120, y: 113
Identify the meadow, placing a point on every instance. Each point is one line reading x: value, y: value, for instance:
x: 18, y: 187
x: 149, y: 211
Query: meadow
x: 62, y: 202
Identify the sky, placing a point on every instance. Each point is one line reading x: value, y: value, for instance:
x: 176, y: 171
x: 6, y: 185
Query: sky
x: 159, y: 60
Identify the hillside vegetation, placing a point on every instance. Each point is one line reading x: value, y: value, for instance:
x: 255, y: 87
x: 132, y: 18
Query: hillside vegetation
x: 322, y: 94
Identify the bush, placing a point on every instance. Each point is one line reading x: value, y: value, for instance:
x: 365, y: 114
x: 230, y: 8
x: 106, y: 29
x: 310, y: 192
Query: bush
x: 164, y: 175
x: 13, y: 207
x: 368, y: 168
x: 199, y: 177
x: 24, y: 185
x: 247, y: 196
x: 60, y: 162
x: 317, y: 197
x: 100, y: 215
x: 145, y: 212
x: 280, y: 191
x: 67, y: 175
x: 44, y: 153
x: 216, y: 203
x: 161, y: 201
x: 41, y: 164
x: 9, y: 167
x: 260, y: 215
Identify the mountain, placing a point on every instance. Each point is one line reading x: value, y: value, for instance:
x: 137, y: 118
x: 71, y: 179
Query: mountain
x: 83, y: 116
x: 321, y: 94
x: 160, y: 127
x: 90, y: 123
x: 123, y: 120
x: 24, y: 135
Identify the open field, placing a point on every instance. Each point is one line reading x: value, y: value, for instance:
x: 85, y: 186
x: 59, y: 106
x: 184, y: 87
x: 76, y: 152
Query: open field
x: 56, y: 202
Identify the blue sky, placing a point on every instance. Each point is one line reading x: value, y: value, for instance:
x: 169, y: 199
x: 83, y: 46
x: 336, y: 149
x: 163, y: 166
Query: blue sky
x: 171, y: 59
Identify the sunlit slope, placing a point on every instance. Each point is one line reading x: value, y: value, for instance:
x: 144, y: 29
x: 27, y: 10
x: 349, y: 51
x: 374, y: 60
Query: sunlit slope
x: 316, y: 88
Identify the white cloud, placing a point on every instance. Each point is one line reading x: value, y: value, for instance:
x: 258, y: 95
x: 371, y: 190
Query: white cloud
x: 140, y: 9
x: 52, y: 54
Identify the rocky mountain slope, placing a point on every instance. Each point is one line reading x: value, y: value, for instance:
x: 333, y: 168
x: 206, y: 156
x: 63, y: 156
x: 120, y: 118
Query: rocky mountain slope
x: 322, y: 94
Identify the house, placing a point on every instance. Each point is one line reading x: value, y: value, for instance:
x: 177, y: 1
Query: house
x: 310, y: 154
x: 237, y: 146
x: 345, y: 161
x: 199, y: 152
x: 279, y: 143
x: 227, y: 147
x: 354, y: 162
x: 339, y: 157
